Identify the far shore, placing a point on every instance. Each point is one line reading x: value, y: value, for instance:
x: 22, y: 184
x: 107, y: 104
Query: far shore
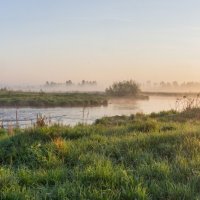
x: 174, y: 94
x: 21, y: 99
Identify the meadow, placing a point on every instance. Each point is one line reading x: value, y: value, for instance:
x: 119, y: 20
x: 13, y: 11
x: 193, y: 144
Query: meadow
x: 140, y: 156
x: 42, y: 99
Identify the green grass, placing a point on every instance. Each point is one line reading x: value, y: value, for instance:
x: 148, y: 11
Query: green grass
x: 41, y: 99
x: 118, y: 158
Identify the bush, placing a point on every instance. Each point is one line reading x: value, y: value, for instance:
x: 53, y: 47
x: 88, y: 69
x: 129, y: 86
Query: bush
x: 124, y: 88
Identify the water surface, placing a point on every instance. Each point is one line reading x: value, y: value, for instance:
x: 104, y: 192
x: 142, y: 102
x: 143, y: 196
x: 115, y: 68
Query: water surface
x: 72, y: 116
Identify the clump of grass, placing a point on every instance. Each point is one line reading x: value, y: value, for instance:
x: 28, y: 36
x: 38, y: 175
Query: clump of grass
x: 145, y: 126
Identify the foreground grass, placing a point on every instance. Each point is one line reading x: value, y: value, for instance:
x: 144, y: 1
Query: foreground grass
x: 41, y: 99
x: 136, y: 157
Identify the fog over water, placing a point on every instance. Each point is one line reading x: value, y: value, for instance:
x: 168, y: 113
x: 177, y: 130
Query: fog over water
x: 56, y: 88
x: 100, y: 87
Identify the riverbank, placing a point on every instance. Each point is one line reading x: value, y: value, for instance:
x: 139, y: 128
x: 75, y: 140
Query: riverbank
x: 137, y: 157
x: 170, y: 94
x: 19, y: 99
x: 44, y: 100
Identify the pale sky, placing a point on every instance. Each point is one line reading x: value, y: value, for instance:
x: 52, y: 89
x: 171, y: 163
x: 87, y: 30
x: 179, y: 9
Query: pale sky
x: 103, y: 40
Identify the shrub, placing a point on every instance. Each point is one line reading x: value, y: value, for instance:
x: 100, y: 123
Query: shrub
x: 124, y: 88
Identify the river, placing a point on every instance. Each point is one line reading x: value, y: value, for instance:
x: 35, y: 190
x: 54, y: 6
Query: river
x: 72, y: 116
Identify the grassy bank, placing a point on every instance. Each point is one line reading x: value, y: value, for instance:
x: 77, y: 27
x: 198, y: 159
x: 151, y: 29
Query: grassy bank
x: 170, y: 94
x: 70, y: 99
x: 41, y: 99
x: 136, y: 157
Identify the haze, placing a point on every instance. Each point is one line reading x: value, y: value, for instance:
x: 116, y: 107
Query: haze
x: 104, y: 40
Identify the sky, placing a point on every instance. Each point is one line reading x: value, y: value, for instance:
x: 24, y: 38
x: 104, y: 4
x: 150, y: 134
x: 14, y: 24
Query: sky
x: 103, y: 40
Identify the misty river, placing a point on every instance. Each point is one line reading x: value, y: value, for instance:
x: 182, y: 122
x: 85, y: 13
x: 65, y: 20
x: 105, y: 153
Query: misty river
x: 75, y: 115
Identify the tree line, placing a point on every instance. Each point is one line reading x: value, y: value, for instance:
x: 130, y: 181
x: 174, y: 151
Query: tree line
x: 71, y: 83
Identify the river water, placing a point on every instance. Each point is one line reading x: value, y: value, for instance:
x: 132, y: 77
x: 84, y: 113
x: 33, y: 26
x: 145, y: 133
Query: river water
x: 72, y: 116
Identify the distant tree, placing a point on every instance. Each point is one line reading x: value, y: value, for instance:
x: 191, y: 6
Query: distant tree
x: 124, y: 88
x: 69, y: 82
x: 175, y: 83
x: 83, y: 82
x: 162, y: 84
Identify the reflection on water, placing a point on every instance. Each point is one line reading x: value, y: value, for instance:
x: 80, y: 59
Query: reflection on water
x: 72, y: 116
